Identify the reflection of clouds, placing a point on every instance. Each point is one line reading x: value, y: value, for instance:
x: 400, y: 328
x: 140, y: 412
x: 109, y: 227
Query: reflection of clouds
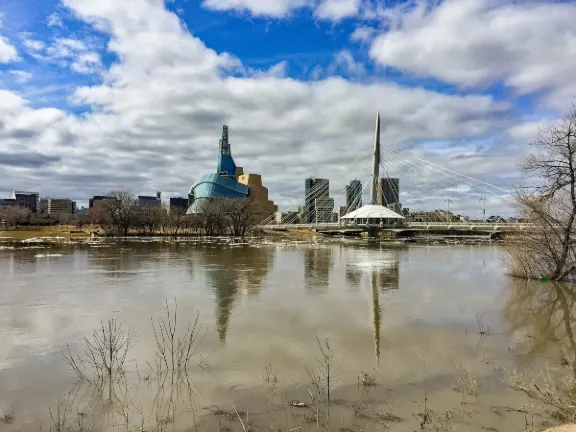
x: 545, y: 312
x: 230, y: 271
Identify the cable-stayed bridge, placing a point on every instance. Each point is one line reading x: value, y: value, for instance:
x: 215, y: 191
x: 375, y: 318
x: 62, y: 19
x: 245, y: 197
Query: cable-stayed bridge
x: 431, y: 197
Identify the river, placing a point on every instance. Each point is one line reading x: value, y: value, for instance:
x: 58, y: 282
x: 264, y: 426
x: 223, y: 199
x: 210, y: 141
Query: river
x: 420, y: 337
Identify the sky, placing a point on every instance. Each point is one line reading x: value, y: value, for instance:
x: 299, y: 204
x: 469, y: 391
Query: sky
x: 99, y: 95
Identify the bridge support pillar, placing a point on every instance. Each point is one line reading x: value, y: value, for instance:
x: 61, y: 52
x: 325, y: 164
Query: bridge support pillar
x: 373, y: 232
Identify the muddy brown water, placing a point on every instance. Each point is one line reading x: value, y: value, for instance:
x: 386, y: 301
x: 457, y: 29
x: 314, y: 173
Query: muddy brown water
x: 436, y: 327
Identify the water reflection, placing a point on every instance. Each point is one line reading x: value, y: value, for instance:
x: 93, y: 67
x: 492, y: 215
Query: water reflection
x: 231, y: 272
x: 380, y: 268
x: 317, y: 264
x: 547, y: 314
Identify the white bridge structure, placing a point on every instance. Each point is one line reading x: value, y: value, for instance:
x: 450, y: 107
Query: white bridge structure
x: 438, y: 198
x: 459, y: 226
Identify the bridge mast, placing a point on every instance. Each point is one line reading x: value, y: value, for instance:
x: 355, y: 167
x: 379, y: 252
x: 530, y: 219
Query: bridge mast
x: 376, y: 163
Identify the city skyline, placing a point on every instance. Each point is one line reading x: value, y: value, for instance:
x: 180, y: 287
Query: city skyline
x: 89, y: 106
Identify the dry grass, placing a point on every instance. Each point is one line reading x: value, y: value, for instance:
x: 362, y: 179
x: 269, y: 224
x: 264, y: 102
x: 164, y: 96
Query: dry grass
x: 22, y: 235
x: 553, y: 388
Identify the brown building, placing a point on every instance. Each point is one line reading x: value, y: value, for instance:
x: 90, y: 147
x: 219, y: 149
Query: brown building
x: 258, y: 193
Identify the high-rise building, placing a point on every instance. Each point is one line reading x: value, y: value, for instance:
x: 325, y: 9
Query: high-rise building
x: 353, y: 195
x: 318, y: 206
x: 156, y: 201
x: 178, y: 203
x: 29, y: 200
x: 388, y: 191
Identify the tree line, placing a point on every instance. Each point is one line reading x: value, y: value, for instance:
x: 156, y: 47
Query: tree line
x: 121, y: 215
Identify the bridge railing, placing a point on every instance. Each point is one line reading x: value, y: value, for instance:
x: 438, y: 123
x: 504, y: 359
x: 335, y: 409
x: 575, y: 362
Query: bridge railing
x: 425, y: 225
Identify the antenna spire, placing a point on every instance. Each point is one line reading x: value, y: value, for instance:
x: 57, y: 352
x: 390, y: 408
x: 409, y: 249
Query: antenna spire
x: 376, y: 163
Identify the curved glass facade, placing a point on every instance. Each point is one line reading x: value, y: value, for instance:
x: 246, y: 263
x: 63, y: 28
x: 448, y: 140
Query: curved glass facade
x: 211, y: 186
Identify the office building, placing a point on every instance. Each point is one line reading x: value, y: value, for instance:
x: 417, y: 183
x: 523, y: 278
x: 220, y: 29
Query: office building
x: 318, y: 206
x: 178, y: 203
x: 54, y: 206
x: 153, y: 201
x: 354, y: 195
x: 28, y: 200
x: 388, y: 191
x: 7, y: 202
x: 286, y: 218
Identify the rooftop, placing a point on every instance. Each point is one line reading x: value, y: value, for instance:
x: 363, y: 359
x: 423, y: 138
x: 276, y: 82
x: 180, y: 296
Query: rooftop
x: 372, y: 211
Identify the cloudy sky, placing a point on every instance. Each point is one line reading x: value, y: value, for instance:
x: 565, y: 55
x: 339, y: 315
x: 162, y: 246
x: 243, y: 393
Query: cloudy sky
x: 96, y: 95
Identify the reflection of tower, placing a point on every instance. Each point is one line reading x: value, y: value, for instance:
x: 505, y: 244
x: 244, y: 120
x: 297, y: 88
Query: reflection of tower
x: 380, y: 270
x: 376, y: 316
x: 317, y: 265
x: 353, y: 275
x: 230, y: 272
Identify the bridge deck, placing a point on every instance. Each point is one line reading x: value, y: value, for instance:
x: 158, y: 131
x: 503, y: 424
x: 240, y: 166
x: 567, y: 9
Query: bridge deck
x: 407, y: 226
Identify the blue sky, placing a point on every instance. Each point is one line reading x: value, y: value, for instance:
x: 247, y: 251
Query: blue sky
x: 98, y: 95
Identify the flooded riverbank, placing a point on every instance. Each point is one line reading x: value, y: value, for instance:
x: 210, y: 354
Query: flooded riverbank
x: 419, y: 336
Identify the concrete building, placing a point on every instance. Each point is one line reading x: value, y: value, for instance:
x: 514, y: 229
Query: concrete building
x: 29, y: 200
x: 353, y: 195
x: 388, y: 191
x: 323, y: 208
x: 56, y: 205
x: 7, y: 202
x: 153, y: 201
x: 286, y: 218
x: 264, y: 207
x: 178, y: 203
x: 229, y: 181
x: 317, y: 200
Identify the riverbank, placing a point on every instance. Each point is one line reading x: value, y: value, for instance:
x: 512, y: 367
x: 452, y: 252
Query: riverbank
x: 23, y: 238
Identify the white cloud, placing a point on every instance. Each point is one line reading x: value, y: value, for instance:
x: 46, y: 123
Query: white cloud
x: 529, y: 45
x: 156, y: 118
x: 87, y: 63
x: 21, y: 76
x: 344, y: 60
x: 363, y: 34
x: 54, y: 20
x: 336, y: 10
x: 34, y: 45
x: 268, y: 8
x: 63, y: 48
x: 8, y: 53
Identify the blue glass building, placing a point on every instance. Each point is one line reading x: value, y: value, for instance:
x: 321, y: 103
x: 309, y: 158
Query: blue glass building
x: 222, y: 184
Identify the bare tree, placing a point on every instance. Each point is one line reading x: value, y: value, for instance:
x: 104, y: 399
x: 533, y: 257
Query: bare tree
x: 213, y: 217
x: 119, y: 212
x: 241, y: 215
x: 14, y: 216
x: 176, y: 220
x: 149, y: 219
x: 548, y: 250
